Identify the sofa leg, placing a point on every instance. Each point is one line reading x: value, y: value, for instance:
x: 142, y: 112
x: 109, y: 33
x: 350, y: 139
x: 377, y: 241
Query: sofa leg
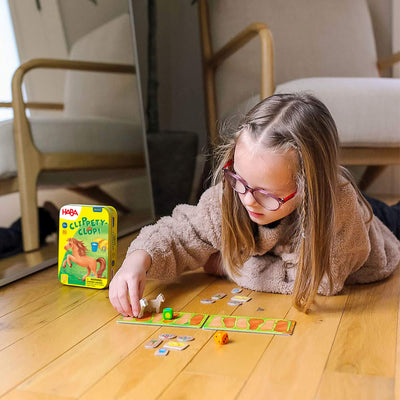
x: 370, y: 174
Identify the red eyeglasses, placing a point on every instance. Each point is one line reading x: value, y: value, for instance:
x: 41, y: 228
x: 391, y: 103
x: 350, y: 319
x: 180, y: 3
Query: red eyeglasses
x: 262, y: 197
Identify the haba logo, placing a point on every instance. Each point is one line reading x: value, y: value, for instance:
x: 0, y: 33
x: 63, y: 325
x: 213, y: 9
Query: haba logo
x: 70, y: 212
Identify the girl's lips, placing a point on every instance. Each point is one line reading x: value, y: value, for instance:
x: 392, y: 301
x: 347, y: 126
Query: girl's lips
x: 254, y: 214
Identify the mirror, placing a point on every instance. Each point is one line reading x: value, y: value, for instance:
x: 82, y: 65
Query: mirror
x: 95, y: 112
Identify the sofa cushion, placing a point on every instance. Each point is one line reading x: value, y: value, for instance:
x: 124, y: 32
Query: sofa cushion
x: 366, y: 110
x: 312, y: 38
x: 73, y: 135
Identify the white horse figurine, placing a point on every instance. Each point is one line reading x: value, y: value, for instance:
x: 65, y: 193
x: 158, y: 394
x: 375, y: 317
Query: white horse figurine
x: 152, y: 305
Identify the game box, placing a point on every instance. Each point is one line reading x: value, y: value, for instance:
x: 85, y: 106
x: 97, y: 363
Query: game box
x: 87, y: 247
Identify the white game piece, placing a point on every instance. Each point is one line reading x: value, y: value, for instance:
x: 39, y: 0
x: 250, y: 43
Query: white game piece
x: 241, y: 299
x: 218, y: 296
x: 207, y: 301
x: 185, y: 338
x: 161, y: 352
x: 167, y: 336
x: 151, y: 305
x: 175, y: 345
x: 152, y: 344
x: 236, y: 290
x: 234, y: 303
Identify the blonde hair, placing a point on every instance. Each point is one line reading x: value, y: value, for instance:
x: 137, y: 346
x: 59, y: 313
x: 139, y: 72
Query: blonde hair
x: 280, y: 123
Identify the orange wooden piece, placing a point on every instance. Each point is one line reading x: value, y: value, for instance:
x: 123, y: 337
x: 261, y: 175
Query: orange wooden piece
x: 221, y: 337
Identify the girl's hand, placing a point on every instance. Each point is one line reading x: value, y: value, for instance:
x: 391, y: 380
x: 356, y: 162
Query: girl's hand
x: 127, y: 286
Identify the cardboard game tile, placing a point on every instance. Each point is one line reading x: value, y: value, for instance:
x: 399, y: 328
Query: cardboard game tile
x: 180, y: 319
x: 250, y: 324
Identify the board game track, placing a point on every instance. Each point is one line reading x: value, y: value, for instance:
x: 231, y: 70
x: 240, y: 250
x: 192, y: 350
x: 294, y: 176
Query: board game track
x: 275, y: 326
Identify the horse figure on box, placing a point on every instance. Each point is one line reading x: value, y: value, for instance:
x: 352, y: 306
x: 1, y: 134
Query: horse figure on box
x: 80, y: 258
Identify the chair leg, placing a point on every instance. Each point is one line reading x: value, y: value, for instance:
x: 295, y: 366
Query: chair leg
x: 99, y: 195
x: 29, y: 210
x: 370, y: 174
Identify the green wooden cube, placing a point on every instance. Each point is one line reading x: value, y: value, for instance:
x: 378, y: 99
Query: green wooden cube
x: 168, y: 313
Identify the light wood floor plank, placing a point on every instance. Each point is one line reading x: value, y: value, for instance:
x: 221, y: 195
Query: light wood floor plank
x: 44, y: 345
x: 22, y: 395
x: 291, y: 367
x: 22, y: 292
x: 366, y: 339
x: 105, y: 348
x: 37, y: 313
x: 343, y: 385
x: 141, y: 374
x: 364, y: 347
x: 192, y: 386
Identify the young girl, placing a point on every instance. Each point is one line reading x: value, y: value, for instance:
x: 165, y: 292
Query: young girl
x: 282, y: 215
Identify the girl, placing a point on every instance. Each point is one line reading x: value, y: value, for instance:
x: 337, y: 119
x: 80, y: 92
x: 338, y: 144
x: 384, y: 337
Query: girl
x: 282, y: 215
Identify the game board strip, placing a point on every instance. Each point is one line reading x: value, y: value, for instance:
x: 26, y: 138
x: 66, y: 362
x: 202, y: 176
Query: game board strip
x: 250, y: 324
x: 180, y: 319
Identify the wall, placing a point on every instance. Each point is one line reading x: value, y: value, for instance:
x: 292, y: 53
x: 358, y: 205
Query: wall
x: 90, y: 16
x: 181, y: 95
x: 181, y: 98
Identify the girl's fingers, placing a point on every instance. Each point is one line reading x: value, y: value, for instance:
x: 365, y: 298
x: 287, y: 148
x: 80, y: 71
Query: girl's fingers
x: 124, y: 302
x: 117, y: 305
x: 134, y: 296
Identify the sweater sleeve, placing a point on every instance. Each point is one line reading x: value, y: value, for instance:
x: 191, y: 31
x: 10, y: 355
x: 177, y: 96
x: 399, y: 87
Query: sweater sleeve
x: 351, y: 244
x: 184, y: 240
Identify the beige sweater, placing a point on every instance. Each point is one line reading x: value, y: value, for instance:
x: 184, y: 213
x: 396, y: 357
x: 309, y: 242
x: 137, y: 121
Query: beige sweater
x: 363, y: 252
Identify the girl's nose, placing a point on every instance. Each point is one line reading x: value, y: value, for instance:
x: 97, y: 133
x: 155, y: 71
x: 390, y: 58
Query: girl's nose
x: 249, y: 199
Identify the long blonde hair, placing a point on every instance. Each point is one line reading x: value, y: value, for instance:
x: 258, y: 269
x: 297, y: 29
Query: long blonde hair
x: 280, y: 123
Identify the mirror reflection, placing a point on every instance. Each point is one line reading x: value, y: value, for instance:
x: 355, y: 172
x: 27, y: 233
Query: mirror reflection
x: 75, y: 133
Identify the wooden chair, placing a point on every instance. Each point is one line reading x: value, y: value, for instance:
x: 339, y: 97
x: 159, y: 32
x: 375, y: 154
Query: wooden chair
x: 326, y: 48
x: 124, y: 151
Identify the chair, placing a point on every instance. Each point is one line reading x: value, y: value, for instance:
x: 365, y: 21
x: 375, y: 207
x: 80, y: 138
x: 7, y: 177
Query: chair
x: 98, y: 137
x: 323, y: 47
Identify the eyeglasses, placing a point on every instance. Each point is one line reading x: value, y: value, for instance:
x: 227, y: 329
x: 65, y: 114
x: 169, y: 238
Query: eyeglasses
x: 262, y: 197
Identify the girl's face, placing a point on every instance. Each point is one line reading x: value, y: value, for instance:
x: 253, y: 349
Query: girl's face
x: 264, y: 169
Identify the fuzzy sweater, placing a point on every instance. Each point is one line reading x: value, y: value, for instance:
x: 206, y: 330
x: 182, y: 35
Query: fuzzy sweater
x: 363, y: 252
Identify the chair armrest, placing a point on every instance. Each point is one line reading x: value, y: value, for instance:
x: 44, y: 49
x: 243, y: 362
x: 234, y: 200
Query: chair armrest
x: 267, y: 56
x: 22, y: 133
x: 16, y: 84
x: 36, y: 105
x: 387, y: 62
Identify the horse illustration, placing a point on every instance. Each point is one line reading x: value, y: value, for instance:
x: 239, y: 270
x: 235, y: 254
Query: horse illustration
x: 80, y: 258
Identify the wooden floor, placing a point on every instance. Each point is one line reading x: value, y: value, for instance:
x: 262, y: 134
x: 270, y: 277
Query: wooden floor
x: 60, y: 342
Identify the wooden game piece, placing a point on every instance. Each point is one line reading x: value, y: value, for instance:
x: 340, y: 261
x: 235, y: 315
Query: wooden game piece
x: 241, y: 299
x: 172, y: 345
x: 153, y: 343
x: 234, y: 303
x: 236, y: 290
x: 207, y: 301
x: 168, y: 313
x: 185, y: 338
x: 167, y: 336
x: 161, y: 352
x: 218, y: 296
x: 221, y: 337
x: 151, y: 305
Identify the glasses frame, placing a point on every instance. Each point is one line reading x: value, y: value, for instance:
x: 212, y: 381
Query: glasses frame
x: 280, y: 200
